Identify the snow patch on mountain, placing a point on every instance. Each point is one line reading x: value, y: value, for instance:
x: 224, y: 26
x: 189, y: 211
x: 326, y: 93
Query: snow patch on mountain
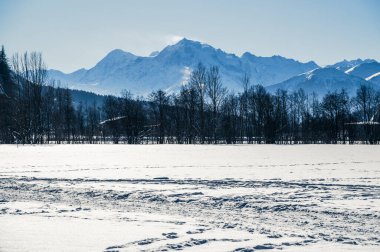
x: 351, y: 69
x: 372, y: 76
x: 365, y: 70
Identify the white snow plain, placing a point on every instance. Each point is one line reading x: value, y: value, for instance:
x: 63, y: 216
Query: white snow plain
x: 189, y: 197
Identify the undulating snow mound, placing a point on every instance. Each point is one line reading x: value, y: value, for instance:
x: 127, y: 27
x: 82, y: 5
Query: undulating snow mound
x: 190, y: 198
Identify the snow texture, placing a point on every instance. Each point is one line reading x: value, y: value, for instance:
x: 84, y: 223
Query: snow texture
x: 189, y: 197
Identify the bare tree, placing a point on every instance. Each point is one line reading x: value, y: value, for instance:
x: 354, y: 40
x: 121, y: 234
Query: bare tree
x: 216, y: 93
x: 160, y: 102
x: 366, y: 102
x: 245, y: 82
x: 31, y: 76
x: 198, y: 83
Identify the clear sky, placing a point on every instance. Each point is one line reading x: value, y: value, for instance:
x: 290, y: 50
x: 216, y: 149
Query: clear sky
x: 72, y: 33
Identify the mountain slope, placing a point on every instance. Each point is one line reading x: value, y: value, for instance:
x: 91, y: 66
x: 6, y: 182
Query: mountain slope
x: 171, y: 67
x: 271, y: 70
x: 108, y: 65
x: 365, y: 70
x: 321, y: 81
x: 374, y: 78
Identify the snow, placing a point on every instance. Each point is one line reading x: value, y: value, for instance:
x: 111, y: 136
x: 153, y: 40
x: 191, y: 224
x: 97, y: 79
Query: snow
x: 112, y: 119
x: 347, y: 64
x: 309, y: 74
x: 365, y: 70
x: 189, y: 197
x: 351, y: 69
x: 372, y: 76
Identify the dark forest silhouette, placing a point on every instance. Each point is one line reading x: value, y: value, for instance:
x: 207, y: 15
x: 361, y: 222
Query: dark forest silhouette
x: 35, y: 110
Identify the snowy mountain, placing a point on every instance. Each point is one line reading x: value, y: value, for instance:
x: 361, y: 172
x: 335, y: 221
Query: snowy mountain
x: 271, y: 70
x: 368, y: 69
x: 171, y: 68
x: 321, y: 81
x: 347, y: 64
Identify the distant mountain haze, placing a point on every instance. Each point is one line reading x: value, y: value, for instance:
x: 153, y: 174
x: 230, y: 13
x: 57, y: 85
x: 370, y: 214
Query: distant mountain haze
x: 365, y: 70
x: 171, y: 68
x: 347, y: 64
x: 321, y: 81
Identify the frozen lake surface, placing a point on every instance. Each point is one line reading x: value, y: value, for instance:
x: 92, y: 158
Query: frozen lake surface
x: 189, y: 197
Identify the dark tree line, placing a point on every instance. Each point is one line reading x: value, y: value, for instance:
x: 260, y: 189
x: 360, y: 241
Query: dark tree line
x: 33, y: 111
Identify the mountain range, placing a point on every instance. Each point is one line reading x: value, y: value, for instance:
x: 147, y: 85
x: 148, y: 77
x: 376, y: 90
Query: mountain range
x: 170, y: 68
x: 321, y: 81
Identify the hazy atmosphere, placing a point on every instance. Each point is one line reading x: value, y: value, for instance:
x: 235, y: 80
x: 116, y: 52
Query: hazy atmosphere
x: 74, y: 34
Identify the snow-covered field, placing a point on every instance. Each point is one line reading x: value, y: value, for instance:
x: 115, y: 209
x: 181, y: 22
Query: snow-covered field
x: 189, y: 197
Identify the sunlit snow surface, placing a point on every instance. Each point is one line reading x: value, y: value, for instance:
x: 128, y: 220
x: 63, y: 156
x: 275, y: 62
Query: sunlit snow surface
x: 188, y: 197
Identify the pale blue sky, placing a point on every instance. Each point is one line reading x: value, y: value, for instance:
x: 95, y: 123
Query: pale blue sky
x: 72, y: 34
